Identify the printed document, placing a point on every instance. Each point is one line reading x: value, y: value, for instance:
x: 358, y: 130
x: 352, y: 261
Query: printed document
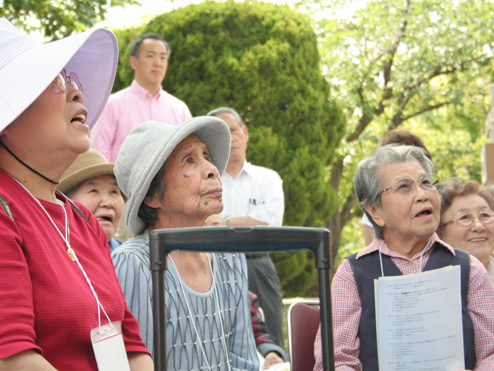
x: 419, y: 322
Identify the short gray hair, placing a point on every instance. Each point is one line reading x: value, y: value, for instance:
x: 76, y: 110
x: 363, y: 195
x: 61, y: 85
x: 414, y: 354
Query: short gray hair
x: 225, y: 110
x: 147, y: 213
x: 368, y: 185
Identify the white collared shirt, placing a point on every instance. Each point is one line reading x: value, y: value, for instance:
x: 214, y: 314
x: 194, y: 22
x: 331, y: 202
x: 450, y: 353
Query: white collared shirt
x: 256, y: 192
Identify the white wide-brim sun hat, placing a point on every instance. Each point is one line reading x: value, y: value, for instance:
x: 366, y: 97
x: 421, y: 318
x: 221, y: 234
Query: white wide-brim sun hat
x: 28, y: 67
x: 148, y: 146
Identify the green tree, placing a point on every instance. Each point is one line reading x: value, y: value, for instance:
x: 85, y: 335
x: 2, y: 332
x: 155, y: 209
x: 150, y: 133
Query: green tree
x: 421, y: 64
x: 261, y: 59
x: 57, y: 19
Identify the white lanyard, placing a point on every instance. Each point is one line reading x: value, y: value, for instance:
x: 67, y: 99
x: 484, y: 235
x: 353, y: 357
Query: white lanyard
x: 71, y: 252
x: 421, y: 256
x: 191, y: 317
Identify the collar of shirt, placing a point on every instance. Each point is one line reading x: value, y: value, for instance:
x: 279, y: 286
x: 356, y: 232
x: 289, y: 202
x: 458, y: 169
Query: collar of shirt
x: 247, y: 169
x: 142, y: 93
x: 380, y: 243
x: 145, y: 235
x: 114, y: 243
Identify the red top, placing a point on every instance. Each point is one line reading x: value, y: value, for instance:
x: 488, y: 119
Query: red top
x: 46, y: 303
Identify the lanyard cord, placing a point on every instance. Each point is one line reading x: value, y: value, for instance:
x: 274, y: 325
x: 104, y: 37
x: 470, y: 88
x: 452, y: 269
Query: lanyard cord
x: 219, y: 313
x: 421, y: 256
x: 222, y: 337
x: 71, y: 253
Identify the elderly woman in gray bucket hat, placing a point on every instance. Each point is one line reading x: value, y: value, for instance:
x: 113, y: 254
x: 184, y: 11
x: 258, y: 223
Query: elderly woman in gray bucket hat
x: 171, y: 176
x: 57, y: 291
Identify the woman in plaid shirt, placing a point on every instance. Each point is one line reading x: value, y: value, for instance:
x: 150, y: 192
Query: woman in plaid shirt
x: 396, y: 190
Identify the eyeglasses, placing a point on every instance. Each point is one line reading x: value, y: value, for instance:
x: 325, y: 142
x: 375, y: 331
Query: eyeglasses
x: 65, y: 79
x: 465, y: 219
x: 405, y: 186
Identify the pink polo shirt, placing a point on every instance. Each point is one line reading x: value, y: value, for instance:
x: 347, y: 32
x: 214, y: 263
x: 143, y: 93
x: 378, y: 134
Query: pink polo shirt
x: 129, y: 108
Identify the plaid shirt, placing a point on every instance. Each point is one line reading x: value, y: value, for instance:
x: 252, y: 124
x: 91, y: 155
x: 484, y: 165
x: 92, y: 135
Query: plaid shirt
x: 347, y: 308
x: 261, y: 333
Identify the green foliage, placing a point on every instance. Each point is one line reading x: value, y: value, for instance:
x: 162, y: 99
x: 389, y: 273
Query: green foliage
x: 403, y: 60
x: 352, y: 240
x: 125, y: 73
x: 56, y: 18
x: 423, y: 65
x: 262, y: 60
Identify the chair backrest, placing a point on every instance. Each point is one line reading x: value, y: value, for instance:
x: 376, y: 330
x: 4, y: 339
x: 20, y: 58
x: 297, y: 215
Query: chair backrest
x: 303, y: 322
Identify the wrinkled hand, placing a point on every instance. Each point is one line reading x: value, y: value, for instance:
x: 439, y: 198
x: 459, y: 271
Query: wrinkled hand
x: 271, y: 359
x: 214, y: 220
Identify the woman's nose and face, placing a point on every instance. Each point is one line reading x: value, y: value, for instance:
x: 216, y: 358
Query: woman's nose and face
x: 53, y: 123
x: 193, y: 188
x: 104, y: 199
x: 410, y: 206
x: 478, y: 237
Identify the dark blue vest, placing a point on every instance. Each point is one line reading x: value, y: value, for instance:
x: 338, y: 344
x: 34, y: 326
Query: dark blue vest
x: 368, y: 268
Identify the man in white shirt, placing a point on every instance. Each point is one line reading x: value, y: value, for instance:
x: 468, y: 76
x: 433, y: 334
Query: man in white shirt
x: 253, y: 195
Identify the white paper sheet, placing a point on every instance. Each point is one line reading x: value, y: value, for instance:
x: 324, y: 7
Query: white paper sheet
x: 418, y: 320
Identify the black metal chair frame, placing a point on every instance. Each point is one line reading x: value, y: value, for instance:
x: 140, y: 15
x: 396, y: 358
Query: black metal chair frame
x: 241, y: 239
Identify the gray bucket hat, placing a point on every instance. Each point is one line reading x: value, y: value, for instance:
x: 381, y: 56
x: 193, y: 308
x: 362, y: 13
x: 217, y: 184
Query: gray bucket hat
x: 148, y: 146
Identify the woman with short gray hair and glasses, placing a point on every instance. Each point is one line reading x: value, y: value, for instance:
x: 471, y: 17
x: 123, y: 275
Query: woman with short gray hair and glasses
x: 397, y: 190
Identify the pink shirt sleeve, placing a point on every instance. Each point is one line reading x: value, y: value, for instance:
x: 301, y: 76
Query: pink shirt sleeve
x: 481, y: 309
x: 186, y: 115
x: 346, y: 311
x: 103, y: 133
x: 318, y: 351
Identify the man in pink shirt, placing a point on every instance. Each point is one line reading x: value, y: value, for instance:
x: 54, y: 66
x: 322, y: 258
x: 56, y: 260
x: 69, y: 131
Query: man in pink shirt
x: 142, y: 101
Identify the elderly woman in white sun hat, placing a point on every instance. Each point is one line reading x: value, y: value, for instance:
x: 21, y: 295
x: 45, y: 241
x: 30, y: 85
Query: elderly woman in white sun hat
x: 171, y: 176
x: 57, y: 291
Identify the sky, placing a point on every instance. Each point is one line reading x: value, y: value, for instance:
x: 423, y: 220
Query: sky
x: 119, y: 17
